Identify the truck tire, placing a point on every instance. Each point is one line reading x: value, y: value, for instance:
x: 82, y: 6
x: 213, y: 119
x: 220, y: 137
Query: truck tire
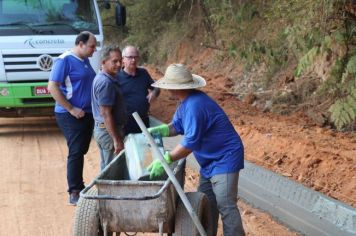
x: 184, y: 225
x: 87, y: 221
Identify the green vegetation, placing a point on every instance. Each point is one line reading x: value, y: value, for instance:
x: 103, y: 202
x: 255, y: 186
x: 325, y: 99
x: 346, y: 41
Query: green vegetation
x: 314, y: 38
x: 154, y: 26
x: 343, y: 111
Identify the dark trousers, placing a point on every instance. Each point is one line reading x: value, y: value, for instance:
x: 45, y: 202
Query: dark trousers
x: 78, y: 134
x: 132, y: 127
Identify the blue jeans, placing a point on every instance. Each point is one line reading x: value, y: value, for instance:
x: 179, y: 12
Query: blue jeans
x: 221, y: 191
x: 105, y: 144
x: 78, y: 134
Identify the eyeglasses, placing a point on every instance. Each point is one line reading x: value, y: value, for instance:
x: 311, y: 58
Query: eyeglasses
x: 132, y: 57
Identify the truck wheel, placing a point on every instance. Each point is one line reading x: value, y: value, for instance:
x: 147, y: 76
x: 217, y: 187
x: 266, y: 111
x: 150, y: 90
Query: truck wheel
x: 87, y: 221
x: 184, y: 225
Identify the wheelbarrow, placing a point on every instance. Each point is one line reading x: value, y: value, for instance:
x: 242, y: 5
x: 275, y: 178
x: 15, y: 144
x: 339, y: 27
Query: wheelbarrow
x: 114, y: 203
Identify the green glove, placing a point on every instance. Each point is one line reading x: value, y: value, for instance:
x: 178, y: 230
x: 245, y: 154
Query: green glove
x: 156, y: 169
x: 162, y: 129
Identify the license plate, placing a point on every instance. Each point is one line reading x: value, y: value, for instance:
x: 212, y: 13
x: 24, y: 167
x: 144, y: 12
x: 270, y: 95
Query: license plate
x: 41, y: 90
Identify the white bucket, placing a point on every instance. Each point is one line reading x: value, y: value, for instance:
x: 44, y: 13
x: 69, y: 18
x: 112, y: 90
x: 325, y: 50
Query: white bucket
x: 139, y: 155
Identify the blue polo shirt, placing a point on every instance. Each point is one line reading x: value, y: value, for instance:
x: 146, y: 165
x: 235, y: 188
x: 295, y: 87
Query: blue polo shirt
x: 209, y: 134
x: 135, y: 91
x: 75, y: 76
x: 106, y: 92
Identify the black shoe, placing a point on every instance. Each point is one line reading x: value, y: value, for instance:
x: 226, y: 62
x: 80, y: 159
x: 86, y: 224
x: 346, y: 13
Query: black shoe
x: 73, y: 198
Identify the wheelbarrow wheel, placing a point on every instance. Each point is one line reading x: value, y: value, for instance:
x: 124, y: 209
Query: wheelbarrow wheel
x: 184, y: 225
x: 87, y: 221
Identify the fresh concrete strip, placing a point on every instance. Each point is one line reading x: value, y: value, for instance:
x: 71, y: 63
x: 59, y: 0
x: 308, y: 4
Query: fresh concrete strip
x: 295, y: 205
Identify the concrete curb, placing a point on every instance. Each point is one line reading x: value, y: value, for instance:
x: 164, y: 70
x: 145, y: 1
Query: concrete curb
x: 295, y: 205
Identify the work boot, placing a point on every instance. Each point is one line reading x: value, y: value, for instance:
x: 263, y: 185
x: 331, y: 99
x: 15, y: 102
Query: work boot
x: 73, y: 198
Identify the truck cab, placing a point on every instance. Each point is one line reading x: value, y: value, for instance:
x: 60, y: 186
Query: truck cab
x: 33, y: 33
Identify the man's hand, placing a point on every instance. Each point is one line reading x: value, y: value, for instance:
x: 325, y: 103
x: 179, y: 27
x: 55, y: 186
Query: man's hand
x: 77, y: 112
x: 118, y: 147
x: 152, y: 95
x: 162, y: 129
x: 156, y: 169
x: 57, y: 94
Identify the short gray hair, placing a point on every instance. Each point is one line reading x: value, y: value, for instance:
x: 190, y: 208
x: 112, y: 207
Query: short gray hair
x: 124, y: 53
x: 106, y: 50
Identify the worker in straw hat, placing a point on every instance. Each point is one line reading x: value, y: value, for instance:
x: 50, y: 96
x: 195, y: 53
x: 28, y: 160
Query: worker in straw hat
x: 209, y: 134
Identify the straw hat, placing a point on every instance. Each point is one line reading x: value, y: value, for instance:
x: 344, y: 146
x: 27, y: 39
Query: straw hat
x: 178, y: 76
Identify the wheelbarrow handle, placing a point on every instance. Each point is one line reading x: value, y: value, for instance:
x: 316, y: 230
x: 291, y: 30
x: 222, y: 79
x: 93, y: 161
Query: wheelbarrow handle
x: 111, y: 197
x: 84, y: 194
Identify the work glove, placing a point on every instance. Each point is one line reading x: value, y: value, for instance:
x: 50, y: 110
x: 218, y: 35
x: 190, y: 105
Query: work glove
x: 162, y: 129
x: 156, y: 169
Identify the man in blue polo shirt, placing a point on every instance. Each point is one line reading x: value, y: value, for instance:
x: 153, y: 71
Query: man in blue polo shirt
x: 108, y: 106
x: 136, y: 88
x: 209, y: 134
x: 70, y: 83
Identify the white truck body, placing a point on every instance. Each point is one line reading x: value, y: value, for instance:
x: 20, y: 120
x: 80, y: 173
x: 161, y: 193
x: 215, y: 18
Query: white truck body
x: 33, y: 33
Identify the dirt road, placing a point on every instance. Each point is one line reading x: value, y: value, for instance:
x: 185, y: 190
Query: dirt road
x: 33, y: 197
x: 33, y: 193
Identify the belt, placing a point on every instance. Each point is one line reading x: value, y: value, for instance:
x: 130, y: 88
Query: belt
x: 100, y: 125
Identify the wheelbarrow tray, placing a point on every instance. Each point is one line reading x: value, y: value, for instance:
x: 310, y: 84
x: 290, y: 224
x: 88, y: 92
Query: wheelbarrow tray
x: 135, y: 205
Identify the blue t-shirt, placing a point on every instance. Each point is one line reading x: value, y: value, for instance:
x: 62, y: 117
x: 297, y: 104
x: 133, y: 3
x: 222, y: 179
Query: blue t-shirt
x: 75, y: 76
x: 106, y: 92
x: 209, y: 134
x: 135, y: 91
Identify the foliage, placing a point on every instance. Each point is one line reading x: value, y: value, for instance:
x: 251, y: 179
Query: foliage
x: 351, y: 66
x: 275, y: 34
x: 148, y: 20
x: 343, y: 111
x: 306, y: 61
x: 304, y: 29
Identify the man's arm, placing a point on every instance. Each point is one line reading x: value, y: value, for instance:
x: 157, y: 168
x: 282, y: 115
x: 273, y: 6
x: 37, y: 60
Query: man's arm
x: 153, y: 94
x: 56, y: 93
x: 172, y: 130
x: 106, y: 113
x: 166, y: 130
x: 179, y: 152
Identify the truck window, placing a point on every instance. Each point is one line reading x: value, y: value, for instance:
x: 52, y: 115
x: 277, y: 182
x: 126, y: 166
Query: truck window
x: 24, y: 17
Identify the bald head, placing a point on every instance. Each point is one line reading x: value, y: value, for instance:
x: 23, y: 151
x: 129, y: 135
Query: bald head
x: 83, y: 37
x: 130, y: 50
x: 85, y: 44
x: 131, y: 56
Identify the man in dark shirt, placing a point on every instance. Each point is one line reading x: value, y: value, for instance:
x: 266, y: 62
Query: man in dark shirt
x: 135, y: 83
x: 108, y: 106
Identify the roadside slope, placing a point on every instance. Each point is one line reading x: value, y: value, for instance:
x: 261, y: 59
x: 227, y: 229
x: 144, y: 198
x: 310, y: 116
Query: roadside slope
x: 319, y: 158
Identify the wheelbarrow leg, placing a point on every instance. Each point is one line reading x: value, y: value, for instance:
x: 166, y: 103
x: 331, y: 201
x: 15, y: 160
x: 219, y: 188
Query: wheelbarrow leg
x: 105, y: 228
x: 160, y: 228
